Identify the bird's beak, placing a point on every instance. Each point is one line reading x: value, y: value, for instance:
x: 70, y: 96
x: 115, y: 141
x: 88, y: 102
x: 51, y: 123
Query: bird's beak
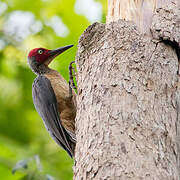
x: 60, y: 50
x: 56, y: 52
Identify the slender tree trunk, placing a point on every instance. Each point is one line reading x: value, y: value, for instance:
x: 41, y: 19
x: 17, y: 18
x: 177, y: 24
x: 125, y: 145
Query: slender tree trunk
x: 128, y: 99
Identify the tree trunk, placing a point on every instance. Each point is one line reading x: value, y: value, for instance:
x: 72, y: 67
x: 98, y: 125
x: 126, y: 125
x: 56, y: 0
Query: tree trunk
x: 128, y: 100
x: 138, y: 11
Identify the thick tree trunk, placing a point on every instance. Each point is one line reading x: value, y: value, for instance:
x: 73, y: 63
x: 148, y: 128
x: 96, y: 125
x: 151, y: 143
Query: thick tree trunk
x: 128, y: 100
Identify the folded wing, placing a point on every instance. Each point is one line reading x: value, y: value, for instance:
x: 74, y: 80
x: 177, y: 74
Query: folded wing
x: 46, y: 105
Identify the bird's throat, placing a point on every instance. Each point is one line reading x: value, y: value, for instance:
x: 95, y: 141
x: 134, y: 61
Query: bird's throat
x: 41, y: 69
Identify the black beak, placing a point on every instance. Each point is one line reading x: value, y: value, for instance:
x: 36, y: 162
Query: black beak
x: 58, y: 51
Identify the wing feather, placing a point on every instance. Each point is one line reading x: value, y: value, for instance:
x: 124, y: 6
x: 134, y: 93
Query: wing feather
x: 46, y: 105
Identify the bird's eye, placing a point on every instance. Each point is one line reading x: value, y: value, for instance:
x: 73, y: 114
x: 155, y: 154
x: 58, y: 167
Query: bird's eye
x: 40, y: 51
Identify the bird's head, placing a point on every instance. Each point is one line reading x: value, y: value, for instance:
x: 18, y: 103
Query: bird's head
x: 40, y: 58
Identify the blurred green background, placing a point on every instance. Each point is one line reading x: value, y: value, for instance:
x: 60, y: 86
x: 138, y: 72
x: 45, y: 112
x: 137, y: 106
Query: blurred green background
x: 26, y: 24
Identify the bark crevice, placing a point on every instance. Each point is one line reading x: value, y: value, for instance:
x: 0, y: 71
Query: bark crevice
x: 166, y: 26
x: 174, y: 45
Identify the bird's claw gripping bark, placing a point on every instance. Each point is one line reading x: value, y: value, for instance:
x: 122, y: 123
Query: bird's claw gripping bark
x: 71, y: 78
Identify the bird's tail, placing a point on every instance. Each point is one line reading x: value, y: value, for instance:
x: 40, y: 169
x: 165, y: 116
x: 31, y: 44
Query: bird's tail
x: 72, y: 138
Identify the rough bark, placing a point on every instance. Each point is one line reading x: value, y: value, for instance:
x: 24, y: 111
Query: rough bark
x: 128, y: 101
x: 138, y: 11
x: 166, y: 25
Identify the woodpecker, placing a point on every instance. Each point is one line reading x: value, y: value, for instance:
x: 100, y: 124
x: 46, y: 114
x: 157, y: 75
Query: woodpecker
x: 53, y: 98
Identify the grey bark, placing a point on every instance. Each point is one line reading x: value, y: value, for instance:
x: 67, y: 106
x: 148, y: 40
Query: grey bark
x: 128, y: 101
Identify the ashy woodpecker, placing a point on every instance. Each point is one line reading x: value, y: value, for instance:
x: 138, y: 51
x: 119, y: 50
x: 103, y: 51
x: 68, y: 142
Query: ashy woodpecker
x: 53, y: 98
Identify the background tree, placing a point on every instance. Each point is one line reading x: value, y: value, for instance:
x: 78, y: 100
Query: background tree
x: 128, y: 93
x: 25, y: 25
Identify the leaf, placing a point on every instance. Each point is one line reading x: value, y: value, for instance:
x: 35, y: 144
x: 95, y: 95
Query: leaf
x: 38, y: 162
x: 22, y: 164
x: 48, y: 177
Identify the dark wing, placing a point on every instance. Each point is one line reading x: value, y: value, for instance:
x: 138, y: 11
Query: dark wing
x: 46, y: 105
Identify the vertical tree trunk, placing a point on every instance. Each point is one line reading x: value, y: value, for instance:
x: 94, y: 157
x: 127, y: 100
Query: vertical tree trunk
x: 138, y: 11
x: 128, y: 100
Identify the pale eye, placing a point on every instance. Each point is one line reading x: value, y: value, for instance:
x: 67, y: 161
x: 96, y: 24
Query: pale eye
x: 40, y: 51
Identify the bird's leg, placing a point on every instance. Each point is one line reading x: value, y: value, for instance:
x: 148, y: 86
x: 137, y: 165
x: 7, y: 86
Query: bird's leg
x: 71, y: 79
x: 72, y: 75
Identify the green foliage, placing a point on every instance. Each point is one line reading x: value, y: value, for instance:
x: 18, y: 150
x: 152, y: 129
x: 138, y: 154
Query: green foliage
x: 22, y: 133
x: 105, y: 7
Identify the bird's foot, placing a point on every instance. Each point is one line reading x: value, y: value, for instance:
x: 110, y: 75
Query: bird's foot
x: 72, y: 74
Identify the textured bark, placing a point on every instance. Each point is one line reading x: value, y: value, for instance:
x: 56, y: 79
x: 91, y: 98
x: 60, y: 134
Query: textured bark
x: 128, y: 101
x: 138, y: 11
x: 166, y: 25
